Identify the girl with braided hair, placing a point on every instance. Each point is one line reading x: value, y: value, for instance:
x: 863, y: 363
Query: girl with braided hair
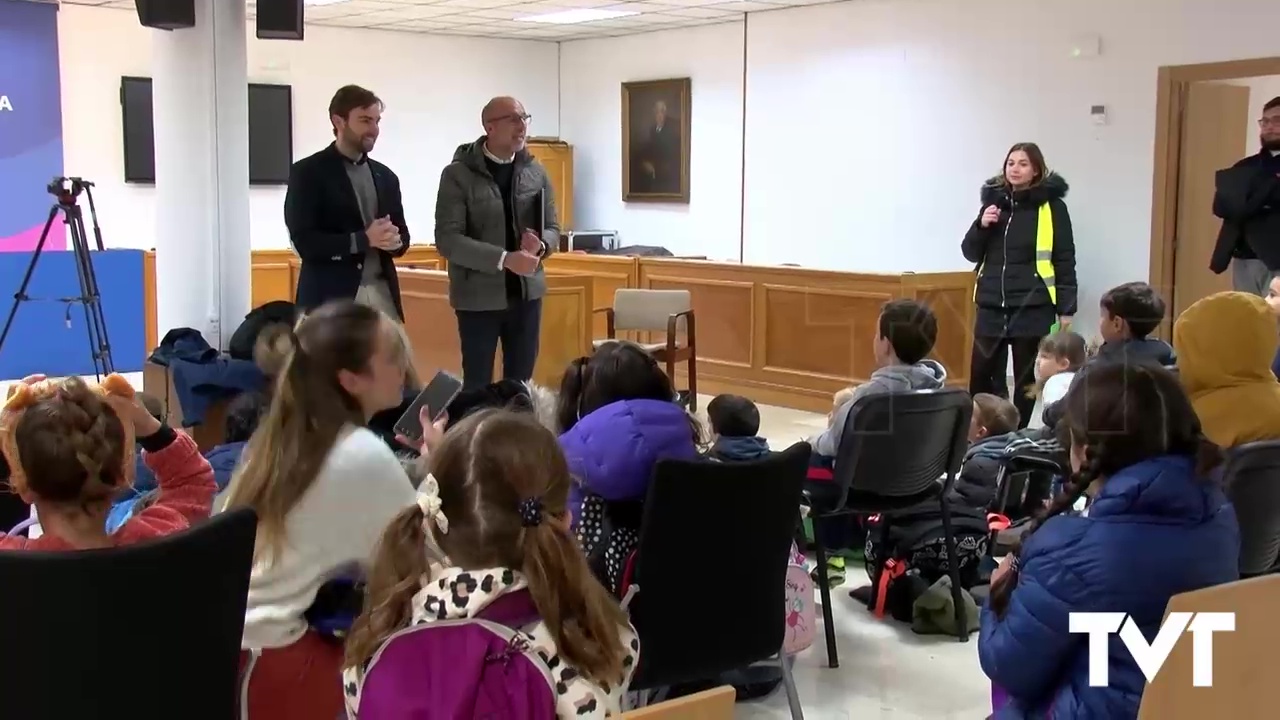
x: 70, y: 448
x: 1157, y: 526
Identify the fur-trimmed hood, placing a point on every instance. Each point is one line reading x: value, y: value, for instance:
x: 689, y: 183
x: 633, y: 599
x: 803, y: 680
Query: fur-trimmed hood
x: 996, y: 192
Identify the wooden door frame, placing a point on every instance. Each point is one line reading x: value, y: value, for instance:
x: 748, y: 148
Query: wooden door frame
x: 1171, y: 85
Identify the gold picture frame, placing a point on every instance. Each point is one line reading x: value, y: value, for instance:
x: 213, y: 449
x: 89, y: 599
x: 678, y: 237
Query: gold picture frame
x: 656, y: 124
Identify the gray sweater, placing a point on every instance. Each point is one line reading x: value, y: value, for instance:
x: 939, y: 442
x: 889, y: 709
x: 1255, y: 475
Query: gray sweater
x: 924, y: 375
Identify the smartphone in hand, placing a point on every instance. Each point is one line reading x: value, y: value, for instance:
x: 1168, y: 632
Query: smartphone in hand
x: 436, y: 397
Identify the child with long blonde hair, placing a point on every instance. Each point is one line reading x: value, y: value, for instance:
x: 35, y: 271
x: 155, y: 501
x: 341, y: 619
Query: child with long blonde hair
x: 323, y: 487
x: 492, y: 519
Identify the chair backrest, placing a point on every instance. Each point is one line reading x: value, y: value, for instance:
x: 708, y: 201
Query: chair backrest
x: 899, y: 444
x: 714, y: 704
x: 134, y: 631
x: 1244, y: 660
x: 698, y: 614
x: 1251, y: 477
x: 636, y: 309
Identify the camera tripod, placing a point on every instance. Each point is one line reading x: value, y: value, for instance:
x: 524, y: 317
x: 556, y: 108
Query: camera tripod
x: 67, y: 191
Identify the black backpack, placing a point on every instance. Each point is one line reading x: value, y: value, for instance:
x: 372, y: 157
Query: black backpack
x: 917, y: 539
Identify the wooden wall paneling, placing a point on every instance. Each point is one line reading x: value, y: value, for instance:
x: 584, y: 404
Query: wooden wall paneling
x: 724, y: 313
x: 429, y: 321
x: 272, y: 279
x: 149, y: 309
x: 556, y: 157
x: 809, y: 332
x: 421, y: 257
x: 566, y: 331
x: 950, y: 296
x: 781, y: 335
x: 817, y: 337
x: 610, y: 274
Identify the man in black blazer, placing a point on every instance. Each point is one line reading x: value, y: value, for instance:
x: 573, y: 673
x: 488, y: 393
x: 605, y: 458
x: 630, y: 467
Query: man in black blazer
x: 1247, y: 198
x: 344, y: 213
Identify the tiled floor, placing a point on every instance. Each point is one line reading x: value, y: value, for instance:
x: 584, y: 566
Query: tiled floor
x: 886, y: 671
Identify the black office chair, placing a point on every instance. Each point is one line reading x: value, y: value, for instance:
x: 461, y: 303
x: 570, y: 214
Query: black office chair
x: 898, y: 451
x: 692, y: 629
x: 144, y: 631
x: 1251, y: 478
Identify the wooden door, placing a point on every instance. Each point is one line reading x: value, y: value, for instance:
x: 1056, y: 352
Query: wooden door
x: 1214, y: 134
x: 557, y: 158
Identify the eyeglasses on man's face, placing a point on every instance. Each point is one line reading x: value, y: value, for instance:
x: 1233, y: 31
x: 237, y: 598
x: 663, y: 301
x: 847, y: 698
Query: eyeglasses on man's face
x: 1269, y: 122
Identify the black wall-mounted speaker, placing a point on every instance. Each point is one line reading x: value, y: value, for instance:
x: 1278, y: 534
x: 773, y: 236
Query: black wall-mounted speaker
x: 280, y: 19
x: 167, y: 14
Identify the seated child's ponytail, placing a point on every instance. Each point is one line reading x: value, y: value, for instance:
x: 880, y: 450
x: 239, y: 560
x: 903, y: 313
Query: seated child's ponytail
x: 496, y: 496
x: 400, y: 563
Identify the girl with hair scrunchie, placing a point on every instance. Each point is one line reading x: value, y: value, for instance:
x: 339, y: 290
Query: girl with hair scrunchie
x: 492, y: 519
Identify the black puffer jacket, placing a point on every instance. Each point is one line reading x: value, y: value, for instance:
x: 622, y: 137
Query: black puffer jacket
x: 1012, y: 299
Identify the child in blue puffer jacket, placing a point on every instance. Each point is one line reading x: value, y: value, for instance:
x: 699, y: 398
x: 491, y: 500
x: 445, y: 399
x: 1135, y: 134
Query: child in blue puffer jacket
x: 1157, y: 526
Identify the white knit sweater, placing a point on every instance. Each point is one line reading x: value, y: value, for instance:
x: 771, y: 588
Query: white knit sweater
x: 331, y: 531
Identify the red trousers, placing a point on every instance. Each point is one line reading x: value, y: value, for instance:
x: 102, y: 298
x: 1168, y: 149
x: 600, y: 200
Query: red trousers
x: 300, y: 682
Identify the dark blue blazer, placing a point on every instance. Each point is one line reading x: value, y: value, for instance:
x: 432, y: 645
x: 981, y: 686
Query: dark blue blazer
x: 322, y: 212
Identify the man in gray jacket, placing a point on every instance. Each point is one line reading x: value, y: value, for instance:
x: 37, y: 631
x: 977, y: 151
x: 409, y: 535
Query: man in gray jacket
x: 495, y: 224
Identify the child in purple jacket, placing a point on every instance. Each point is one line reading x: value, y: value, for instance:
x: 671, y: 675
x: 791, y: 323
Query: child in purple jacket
x: 619, y: 417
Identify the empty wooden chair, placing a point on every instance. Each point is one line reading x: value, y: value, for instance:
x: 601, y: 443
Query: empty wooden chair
x: 664, y: 314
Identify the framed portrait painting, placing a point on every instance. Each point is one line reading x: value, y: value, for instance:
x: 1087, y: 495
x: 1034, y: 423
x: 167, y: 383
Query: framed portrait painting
x: 655, y: 140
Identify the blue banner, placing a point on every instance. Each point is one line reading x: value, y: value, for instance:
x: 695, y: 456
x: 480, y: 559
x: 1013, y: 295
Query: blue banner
x: 30, y: 123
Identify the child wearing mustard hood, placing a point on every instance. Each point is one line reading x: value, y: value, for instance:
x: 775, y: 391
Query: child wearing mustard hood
x: 1225, y: 344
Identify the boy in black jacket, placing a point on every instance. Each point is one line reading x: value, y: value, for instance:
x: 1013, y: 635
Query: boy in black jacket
x: 1131, y: 312
x: 735, y: 427
x: 990, y: 430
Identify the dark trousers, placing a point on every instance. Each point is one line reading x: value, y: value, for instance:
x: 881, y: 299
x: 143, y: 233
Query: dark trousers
x: 479, y: 331
x: 989, y: 371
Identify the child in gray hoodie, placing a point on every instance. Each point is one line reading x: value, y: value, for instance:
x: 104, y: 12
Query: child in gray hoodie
x: 906, y: 332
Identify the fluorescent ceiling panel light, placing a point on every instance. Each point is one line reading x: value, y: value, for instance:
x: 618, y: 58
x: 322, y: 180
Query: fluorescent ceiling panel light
x: 573, y: 17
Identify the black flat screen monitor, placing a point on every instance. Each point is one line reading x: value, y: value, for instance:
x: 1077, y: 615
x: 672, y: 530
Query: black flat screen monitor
x: 270, y: 132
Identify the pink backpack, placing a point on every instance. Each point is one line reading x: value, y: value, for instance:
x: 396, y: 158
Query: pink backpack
x: 476, y: 668
x: 799, y: 612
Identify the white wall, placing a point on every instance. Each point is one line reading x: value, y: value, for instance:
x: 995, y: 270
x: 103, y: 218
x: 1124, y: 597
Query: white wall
x: 433, y: 87
x: 1262, y: 89
x: 870, y: 125
x: 591, y: 111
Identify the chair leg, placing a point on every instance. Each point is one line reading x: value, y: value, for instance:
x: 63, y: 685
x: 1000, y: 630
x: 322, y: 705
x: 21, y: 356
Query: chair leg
x: 693, y: 382
x: 878, y: 569
x: 824, y: 590
x: 953, y: 570
x: 789, y: 683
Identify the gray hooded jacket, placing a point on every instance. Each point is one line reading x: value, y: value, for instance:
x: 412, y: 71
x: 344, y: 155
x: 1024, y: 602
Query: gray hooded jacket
x: 924, y: 375
x: 471, y: 226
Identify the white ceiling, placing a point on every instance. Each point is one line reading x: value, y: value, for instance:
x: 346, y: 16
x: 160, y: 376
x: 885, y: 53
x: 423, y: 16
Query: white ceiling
x: 498, y: 18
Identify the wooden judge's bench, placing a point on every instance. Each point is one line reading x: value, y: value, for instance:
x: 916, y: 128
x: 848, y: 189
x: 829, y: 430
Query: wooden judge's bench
x: 784, y: 336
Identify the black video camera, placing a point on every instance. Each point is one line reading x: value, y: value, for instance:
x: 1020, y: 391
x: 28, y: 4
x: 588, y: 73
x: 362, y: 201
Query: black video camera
x: 67, y: 189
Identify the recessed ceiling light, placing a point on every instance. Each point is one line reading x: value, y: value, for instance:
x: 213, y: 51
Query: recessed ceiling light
x: 573, y: 17
x: 323, y: 2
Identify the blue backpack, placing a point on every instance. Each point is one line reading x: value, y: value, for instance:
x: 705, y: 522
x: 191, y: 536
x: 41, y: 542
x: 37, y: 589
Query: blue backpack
x: 474, y: 668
